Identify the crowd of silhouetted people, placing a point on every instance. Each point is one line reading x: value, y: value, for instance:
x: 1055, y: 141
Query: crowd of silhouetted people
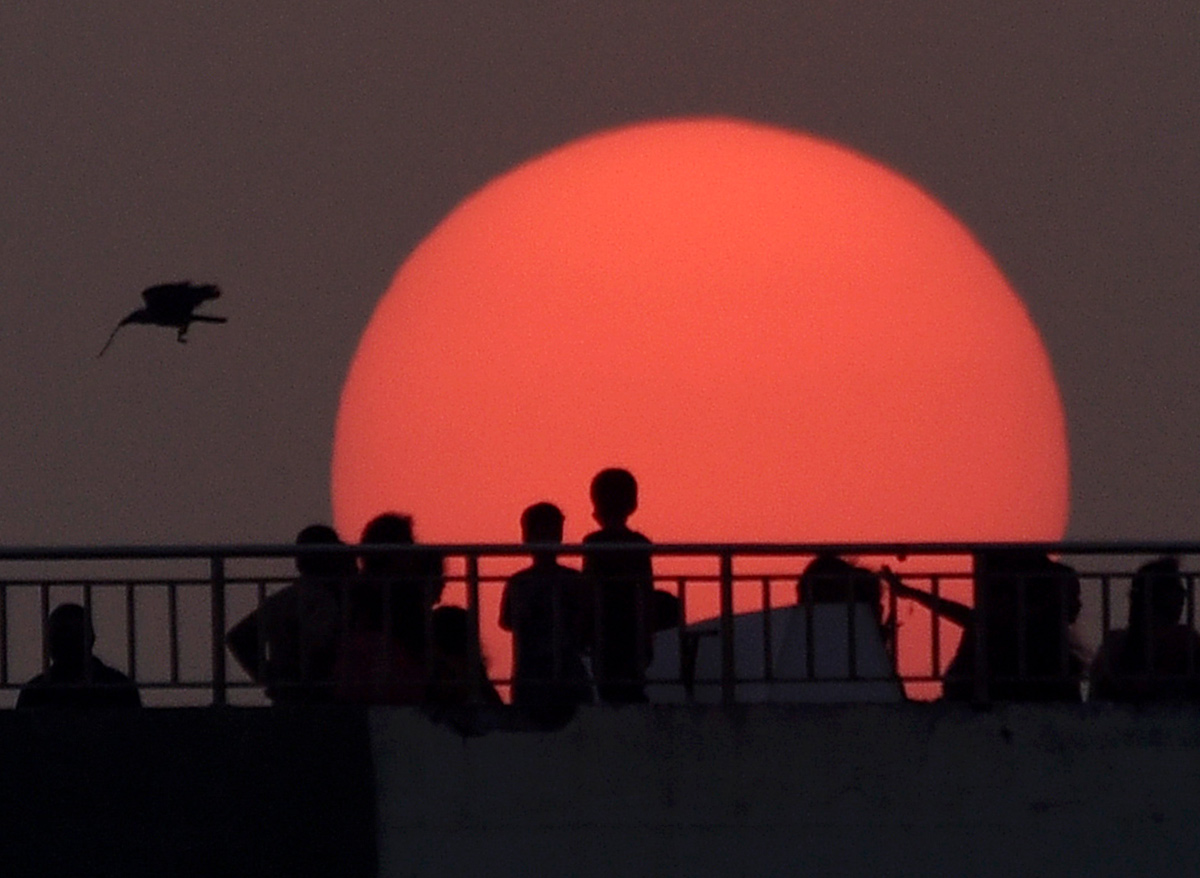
x: 369, y: 627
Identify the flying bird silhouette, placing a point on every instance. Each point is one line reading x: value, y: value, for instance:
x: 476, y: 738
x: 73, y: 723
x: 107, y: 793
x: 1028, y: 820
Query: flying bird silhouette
x: 171, y: 305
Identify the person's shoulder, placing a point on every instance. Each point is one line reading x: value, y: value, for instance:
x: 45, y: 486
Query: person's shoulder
x: 32, y: 693
x: 520, y: 581
x: 564, y: 573
x: 523, y: 574
x: 37, y: 682
x: 107, y: 675
x: 284, y: 600
x: 616, y: 535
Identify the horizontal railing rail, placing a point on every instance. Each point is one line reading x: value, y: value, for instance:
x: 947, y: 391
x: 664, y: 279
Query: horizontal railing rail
x: 742, y: 632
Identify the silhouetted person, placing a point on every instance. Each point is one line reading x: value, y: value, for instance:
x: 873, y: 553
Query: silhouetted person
x: 1030, y: 602
x: 1155, y: 658
x: 76, y: 678
x: 544, y: 607
x: 171, y: 305
x: 386, y: 658
x: 845, y: 604
x: 830, y: 580
x: 453, y: 680
x: 623, y: 587
x: 290, y: 643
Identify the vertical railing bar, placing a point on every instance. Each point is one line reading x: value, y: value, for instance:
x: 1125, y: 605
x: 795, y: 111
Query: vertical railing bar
x: 851, y: 629
x: 304, y: 681
x: 556, y: 633
x: 810, y: 649
x: 1105, y: 606
x: 1022, y: 627
x: 474, y: 656
x: 1064, y: 638
x: 217, y: 578
x: 260, y: 639
x: 1148, y: 628
x: 1190, y: 599
x: 935, y: 649
x: 893, y: 622
x: 344, y: 609
x: 599, y: 671
x: 982, y: 693
x: 3, y: 633
x: 88, y: 670
x: 768, y: 650
x: 727, y: 661
x: 639, y: 624
x: 173, y: 628
x: 131, y: 632
x: 428, y: 586
x: 45, y: 597
x: 686, y: 677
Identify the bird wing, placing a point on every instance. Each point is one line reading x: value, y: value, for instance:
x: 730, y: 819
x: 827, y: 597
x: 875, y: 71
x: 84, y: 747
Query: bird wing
x: 184, y: 295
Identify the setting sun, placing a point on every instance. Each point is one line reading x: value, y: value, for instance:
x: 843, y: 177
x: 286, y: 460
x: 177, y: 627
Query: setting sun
x: 783, y: 339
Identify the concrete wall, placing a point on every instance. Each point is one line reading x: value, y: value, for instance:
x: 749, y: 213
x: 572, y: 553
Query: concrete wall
x: 185, y: 792
x: 771, y: 790
x: 656, y: 790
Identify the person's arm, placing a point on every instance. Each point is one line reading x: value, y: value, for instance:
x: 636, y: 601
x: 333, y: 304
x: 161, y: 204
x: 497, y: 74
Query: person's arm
x: 959, y: 614
x: 505, y: 609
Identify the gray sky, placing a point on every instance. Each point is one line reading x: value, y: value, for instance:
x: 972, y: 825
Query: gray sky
x: 294, y: 152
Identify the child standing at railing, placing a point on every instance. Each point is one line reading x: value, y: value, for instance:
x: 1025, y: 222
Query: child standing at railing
x: 623, y: 592
x: 544, y: 607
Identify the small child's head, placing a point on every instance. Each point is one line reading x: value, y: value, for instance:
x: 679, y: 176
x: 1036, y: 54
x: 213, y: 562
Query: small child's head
x: 542, y: 523
x: 614, y: 496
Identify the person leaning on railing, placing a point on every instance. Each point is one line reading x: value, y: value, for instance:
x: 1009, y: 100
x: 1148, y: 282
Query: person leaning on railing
x: 290, y: 643
x: 1156, y: 658
x: 1029, y: 604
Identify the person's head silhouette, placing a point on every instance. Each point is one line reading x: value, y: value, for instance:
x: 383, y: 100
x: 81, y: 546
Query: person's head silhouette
x: 830, y: 579
x: 614, y: 496
x: 542, y: 523
x: 325, y: 565
x: 69, y: 636
x: 388, y: 528
x: 1157, y: 592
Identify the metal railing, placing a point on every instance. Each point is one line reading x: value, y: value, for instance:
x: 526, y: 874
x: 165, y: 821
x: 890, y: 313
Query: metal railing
x: 169, y: 609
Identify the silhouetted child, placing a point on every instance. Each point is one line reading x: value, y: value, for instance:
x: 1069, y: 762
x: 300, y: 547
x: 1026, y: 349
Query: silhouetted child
x: 76, y: 678
x: 453, y: 681
x: 290, y: 643
x: 544, y: 607
x: 623, y: 591
x: 1155, y: 658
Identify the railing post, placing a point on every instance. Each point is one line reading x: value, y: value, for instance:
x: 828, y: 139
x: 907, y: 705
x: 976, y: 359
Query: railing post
x: 474, y: 658
x: 982, y: 694
x: 727, y: 664
x: 217, y: 575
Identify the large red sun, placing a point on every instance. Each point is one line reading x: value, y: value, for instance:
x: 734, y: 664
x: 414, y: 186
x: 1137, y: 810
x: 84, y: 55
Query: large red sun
x: 784, y: 341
